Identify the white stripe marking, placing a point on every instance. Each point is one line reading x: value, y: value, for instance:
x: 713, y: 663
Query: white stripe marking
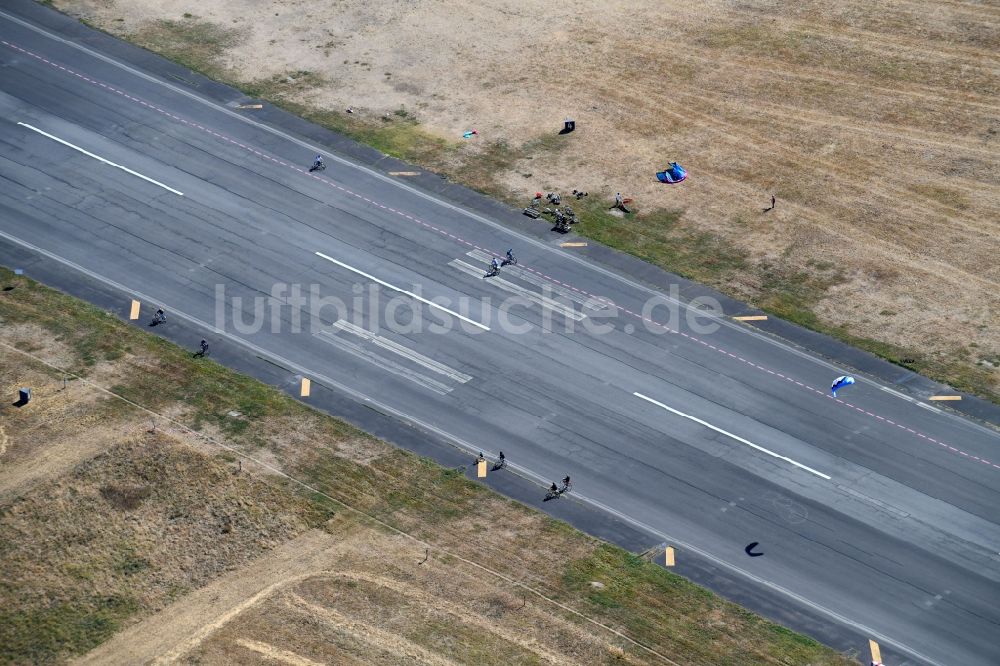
x: 567, y: 311
x: 101, y: 159
x: 882, y: 505
x: 736, y: 437
x: 522, y: 274
x: 402, y: 291
x: 384, y: 363
x: 896, y: 393
x: 403, y: 351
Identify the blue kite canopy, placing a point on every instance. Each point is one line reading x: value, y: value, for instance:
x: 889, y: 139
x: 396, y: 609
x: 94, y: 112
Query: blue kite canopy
x: 673, y: 174
x: 839, y: 383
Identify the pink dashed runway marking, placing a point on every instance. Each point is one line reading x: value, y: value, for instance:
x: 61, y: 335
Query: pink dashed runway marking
x: 472, y: 245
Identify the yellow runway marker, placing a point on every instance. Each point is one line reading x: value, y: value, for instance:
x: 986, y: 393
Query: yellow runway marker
x: 306, y: 387
x: 876, y: 653
x: 572, y: 245
x: 945, y: 397
x: 751, y: 318
x: 250, y: 106
x: 404, y: 173
x: 134, y: 314
x: 481, y: 469
x: 670, y: 556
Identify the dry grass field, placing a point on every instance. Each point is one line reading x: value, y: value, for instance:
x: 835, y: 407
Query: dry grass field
x: 875, y: 125
x: 125, y: 543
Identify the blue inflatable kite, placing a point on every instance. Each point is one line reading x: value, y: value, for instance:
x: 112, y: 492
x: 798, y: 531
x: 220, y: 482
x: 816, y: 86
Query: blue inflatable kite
x: 839, y: 383
x: 675, y: 173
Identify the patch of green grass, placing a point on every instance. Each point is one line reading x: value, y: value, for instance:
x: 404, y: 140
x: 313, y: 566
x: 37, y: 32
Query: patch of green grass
x: 191, y: 42
x: 660, y: 237
x: 283, y: 86
x: 130, y: 564
x: 944, y: 195
x: 73, y: 322
x: 69, y: 568
x: 477, y: 166
x: 397, y: 486
x: 466, y: 643
x: 323, y: 510
x: 546, y: 143
x: 124, y: 497
x: 954, y: 369
x: 43, y: 635
x: 727, y: 37
x: 792, y: 294
x: 820, y: 265
x: 651, y: 602
x: 403, y: 138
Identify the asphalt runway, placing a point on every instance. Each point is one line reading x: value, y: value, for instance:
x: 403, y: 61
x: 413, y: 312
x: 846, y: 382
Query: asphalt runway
x: 876, y: 512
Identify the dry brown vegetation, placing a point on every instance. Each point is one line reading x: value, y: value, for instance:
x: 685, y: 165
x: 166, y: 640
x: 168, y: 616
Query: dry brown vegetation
x: 875, y: 124
x: 127, y: 542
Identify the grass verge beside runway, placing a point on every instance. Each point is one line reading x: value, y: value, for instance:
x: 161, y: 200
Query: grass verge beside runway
x: 105, y: 522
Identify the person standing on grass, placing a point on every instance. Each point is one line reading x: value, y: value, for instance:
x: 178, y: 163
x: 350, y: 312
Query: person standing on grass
x: 620, y: 203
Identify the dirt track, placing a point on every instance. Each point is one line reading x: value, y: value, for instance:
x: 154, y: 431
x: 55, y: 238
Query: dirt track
x: 184, y: 625
x: 322, y: 598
